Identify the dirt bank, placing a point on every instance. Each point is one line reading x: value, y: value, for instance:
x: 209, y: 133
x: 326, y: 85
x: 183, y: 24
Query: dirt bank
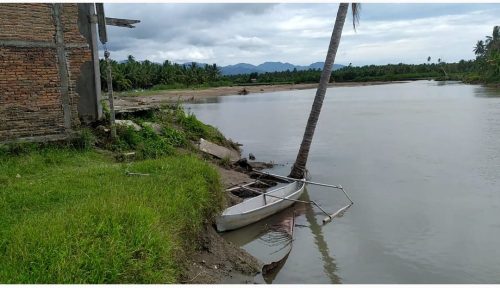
x: 219, y: 261
x: 193, y: 95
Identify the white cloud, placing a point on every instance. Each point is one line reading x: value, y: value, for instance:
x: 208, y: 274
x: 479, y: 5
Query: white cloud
x: 187, y: 54
x: 244, y: 42
x: 299, y: 33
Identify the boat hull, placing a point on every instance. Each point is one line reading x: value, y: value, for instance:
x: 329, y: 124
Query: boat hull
x: 259, y: 207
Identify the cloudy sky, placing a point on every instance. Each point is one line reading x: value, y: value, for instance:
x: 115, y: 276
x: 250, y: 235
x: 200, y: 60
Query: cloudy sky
x: 298, y: 33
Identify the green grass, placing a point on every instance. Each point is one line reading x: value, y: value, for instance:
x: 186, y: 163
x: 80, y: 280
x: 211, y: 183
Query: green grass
x: 180, y: 129
x: 145, y: 142
x: 73, y: 216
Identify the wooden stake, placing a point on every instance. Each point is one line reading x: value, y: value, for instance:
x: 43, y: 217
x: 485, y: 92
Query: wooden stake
x: 110, y: 96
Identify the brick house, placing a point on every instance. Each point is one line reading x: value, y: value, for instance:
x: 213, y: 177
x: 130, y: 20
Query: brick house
x: 49, y: 70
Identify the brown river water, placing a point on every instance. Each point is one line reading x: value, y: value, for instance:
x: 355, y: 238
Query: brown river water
x: 421, y: 161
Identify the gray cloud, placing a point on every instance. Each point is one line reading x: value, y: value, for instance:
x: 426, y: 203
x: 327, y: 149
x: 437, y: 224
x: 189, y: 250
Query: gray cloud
x: 298, y: 33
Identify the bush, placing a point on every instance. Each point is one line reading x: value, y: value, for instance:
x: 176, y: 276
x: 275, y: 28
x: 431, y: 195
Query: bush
x: 145, y: 142
x: 174, y: 117
x: 18, y: 148
x: 85, y: 140
x: 175, y: 137
x: 154, y: 148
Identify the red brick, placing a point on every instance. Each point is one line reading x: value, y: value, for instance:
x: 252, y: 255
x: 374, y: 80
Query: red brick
x: 30, y: 95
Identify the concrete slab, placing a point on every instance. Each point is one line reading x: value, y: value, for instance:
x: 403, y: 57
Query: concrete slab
x: 128, y: 123
x: 218, y: 151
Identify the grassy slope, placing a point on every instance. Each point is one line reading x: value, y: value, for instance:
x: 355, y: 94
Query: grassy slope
x: 75, y: 217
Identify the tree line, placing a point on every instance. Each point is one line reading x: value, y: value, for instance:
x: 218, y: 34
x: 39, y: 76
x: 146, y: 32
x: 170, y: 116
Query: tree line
x: 488, y: 58
x: 390, y: 72
x: 131, y: 74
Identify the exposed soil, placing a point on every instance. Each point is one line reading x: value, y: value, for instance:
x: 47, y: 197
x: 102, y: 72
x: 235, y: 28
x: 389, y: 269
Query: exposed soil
x: 219, y: 261
x: 124, y: 103
x: 231, y: 177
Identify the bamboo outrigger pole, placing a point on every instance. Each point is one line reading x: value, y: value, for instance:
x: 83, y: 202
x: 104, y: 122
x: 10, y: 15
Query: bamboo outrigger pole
x: 283, y: 198
x: 330, y: 216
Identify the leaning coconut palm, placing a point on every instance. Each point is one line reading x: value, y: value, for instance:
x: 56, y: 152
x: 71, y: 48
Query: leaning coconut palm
x: 299, y: 167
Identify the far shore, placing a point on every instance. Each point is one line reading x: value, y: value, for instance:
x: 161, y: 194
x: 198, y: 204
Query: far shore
x: 194, y: 95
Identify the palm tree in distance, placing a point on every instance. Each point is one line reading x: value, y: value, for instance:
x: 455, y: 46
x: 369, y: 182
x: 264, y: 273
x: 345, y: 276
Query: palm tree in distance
x: 299, y: 167
x: 429, y: 59
x: 493, y: 41
x: 480, y: 48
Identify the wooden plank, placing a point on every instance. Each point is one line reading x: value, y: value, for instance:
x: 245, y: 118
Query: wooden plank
x: 121, y: 22
x: 238, y: 186
x: 101, y: 23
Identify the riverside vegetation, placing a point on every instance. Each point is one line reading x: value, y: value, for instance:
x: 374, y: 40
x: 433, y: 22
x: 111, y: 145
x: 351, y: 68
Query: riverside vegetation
x: 71, y: 212
x: 132, y: 75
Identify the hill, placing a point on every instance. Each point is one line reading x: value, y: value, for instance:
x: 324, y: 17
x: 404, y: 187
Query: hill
x: 245, y: 68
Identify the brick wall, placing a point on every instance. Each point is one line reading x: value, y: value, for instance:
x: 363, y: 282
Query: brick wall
x: 26, y: 22
x: 31, y: 84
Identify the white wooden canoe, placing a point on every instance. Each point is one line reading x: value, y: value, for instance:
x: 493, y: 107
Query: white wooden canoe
x: 259, y: 207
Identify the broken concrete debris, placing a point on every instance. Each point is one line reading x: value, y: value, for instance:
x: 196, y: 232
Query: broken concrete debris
x: 218, y: 151
x: 128, y: 123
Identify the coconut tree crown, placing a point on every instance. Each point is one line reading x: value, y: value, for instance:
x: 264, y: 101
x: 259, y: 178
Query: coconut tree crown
x: 480, y: 48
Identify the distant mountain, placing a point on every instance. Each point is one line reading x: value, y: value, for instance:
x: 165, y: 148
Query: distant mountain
x: 240, y: 68
x: 319, y: 65
x: 276, y: 66
x: 245, y: 68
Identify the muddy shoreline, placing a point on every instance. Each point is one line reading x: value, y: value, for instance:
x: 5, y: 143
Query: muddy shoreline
x: 219, y: 261
x: 126, y: 103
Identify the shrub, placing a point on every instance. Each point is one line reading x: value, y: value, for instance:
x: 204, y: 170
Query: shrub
x: 146, y: 143
x: 85, y: 139
x: 175, y: 137
x: 18, y: 148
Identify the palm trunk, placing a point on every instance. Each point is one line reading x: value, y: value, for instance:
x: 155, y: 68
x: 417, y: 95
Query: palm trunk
x: 299, y: 167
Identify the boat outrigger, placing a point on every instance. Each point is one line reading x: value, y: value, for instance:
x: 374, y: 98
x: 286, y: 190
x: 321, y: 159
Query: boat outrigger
x: 270, y: 202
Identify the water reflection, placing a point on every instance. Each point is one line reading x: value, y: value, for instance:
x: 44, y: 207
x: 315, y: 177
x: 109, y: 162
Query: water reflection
x: 265, y: 241
x: 486, y: 92
x: 329, y: 265
x: 266, y: 245
x: 423, y: 145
